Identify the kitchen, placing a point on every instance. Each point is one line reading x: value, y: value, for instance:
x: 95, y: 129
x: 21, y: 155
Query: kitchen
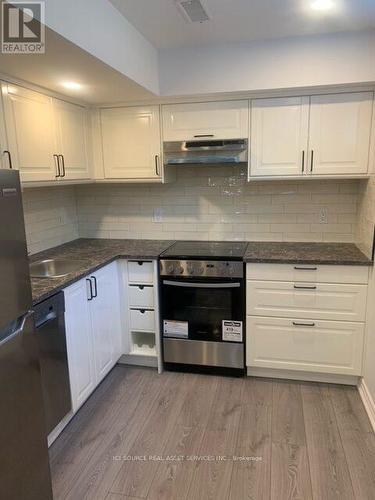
x: 187, y: 246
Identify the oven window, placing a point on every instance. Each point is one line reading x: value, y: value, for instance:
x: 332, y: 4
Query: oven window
x: 203, y: 308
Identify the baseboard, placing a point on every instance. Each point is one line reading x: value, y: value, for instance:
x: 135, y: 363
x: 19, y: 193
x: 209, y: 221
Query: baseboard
x: 367, y: 401
x: 329, y: 378
x: 53, y: 435
x: 138, y: 360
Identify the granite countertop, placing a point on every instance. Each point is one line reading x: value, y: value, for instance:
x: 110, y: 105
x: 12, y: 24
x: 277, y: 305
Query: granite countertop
x: 305, y: 253
x: 93, y: 253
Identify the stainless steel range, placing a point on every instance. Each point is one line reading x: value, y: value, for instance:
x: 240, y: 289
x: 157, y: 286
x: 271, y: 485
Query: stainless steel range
x: 203, y: 307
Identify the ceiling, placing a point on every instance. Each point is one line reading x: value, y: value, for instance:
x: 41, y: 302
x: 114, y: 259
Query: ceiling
x: 64, y: 61
x: 243, y: 20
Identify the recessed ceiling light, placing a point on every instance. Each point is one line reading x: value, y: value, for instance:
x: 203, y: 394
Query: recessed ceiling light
x: 321, y: 4
x: 72, y: 85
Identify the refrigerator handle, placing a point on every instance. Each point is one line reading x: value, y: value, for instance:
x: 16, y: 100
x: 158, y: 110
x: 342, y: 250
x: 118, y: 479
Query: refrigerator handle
x: 19, y: 330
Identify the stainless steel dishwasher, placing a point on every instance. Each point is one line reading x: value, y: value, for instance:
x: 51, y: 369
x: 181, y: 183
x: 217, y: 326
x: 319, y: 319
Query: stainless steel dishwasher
x: 50, y: 329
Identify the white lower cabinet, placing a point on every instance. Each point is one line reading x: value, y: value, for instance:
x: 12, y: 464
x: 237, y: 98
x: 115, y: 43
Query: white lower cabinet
x: 306, y: 325
x: 79, y: 343
x: 315, y: 346
x: 93, y: 330
x: 141, y: 311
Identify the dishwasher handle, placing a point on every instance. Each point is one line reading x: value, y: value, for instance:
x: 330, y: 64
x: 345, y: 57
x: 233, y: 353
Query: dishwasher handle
x: 50, y: 316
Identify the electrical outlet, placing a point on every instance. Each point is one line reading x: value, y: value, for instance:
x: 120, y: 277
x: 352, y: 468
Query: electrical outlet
x: 323, y: 216
x: 158, y: 215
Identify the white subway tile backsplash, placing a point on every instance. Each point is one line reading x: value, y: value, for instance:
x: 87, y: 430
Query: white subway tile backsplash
x: 218, y: 203
x: 205, y: 203
x: 50, y: 217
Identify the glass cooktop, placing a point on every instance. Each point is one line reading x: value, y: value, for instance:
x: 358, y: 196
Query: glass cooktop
x: 233, y: 250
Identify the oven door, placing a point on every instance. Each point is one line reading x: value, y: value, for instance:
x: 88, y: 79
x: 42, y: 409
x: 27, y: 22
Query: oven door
x: 203, y: 310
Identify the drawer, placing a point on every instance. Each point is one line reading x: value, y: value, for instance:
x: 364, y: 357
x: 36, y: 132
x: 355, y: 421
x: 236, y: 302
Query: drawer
x: 141, y: 271
x: 142, y: 320
x: 332, y: 301
x: 141, y: 296
x: 312, y: 273
x: 325, y: 346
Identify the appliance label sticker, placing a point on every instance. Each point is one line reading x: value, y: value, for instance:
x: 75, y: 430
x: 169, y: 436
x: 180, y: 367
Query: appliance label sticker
x: 232, y: 331
x: 176, y: 328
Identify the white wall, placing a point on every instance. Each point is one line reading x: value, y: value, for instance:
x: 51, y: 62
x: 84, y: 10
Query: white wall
x: 50, y: 217
x: 217, y: 203
x: 275, y: 64
x: 366, y: 224
x: 97, y: 27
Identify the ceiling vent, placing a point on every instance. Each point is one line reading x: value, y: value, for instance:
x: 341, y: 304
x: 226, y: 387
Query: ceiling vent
x: 193, y: 11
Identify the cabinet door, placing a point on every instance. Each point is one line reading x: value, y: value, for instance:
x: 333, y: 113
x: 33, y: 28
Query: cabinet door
x: 340, y: 127
x: 314, y: 346
x: 79, y: 343
x: 72, y: 139
x: 31, y: 132
x: 131, y: 142
x: 105, y: 319
x: 206, y: 120
x: 278, y: 136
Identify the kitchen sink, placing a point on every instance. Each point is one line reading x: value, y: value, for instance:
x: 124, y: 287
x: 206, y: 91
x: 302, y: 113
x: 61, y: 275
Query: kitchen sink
x: 54, y: 268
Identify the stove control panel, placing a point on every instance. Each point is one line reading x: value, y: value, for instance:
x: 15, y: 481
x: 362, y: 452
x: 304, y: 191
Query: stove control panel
x: 202, y: 269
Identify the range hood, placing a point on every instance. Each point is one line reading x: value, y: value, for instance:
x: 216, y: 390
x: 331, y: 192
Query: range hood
x: 211, y: 152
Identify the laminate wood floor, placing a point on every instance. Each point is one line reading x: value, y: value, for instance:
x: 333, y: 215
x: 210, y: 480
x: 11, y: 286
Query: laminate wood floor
x: 197, y: 437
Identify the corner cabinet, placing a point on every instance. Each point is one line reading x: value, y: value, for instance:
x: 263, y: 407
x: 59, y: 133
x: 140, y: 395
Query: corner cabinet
x: 72, y: 137
x: 131, y: 143
x: 47, y: 137
x: 93, y: 330
x: 323, y: 135
x: 206, y: 120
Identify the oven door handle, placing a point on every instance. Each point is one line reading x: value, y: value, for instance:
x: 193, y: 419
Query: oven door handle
x: 201, y: 285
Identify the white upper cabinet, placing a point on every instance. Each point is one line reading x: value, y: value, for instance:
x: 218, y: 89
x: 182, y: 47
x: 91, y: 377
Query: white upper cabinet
x: 47, y: 138
x: 279, y: 135
x: 340, y: 127
x: 207, y: 120
x: 303, y: 136
x: 31, y: 133
x: 131, y: 143
x: 71, y: 121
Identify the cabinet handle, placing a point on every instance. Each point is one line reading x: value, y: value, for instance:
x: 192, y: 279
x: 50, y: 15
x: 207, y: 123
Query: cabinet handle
x: 62, y: 165
x: 57, y: 164
x: 303, y: 161
x: 301, y: 287
x: 302, y: 268
x: 312, y: 161
x: 9, y: 158
x: 157, y: 165
x: 95, y: 294
x: 296, y: 323
x: 204, y: 135
x: 90, y: 288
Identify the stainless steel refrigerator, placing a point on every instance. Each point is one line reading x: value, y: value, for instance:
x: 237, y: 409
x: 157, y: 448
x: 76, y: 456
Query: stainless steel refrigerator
x: 24, y: 464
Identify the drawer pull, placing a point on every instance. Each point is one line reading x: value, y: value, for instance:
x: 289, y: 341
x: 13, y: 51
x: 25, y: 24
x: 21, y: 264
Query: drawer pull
x: 302, y: 268
x: 141, y: 287
x: 295, y: 323
x: 301, y: 287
